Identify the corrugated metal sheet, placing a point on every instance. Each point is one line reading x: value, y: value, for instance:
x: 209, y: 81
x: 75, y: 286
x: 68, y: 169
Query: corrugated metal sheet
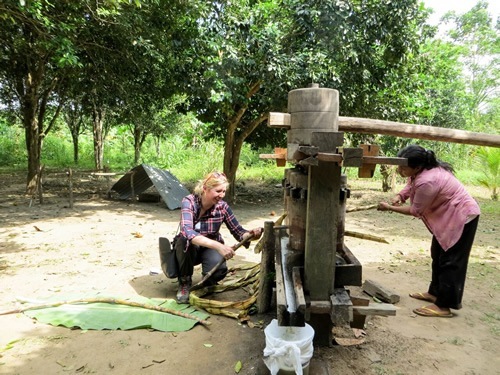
x: 143, y: 177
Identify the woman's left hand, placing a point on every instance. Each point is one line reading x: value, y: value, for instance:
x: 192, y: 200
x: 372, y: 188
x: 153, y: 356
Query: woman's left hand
x: 383, y: 206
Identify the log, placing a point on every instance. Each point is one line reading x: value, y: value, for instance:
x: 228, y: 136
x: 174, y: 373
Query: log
x: 433, y: 133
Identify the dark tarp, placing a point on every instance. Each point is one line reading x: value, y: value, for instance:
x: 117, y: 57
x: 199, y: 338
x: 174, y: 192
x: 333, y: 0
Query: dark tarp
x: 143, y: 177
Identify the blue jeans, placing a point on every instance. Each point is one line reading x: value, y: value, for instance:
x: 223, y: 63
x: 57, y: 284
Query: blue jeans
x: 192, y: 255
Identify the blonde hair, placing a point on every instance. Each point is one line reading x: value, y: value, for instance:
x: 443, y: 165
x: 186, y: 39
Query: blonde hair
x: 210, y: 181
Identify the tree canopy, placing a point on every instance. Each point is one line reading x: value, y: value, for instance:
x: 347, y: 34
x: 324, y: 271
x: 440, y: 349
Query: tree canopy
x: 120, y: 62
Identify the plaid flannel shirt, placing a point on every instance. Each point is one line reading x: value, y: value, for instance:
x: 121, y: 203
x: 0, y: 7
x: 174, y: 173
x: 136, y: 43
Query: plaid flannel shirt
x: 209, y: 224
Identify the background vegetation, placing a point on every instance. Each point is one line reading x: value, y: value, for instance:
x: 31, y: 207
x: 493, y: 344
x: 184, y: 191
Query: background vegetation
x: 188, y: 86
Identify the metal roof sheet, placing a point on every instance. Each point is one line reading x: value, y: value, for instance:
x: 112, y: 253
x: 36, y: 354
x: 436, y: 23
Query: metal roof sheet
x: 144, y: 176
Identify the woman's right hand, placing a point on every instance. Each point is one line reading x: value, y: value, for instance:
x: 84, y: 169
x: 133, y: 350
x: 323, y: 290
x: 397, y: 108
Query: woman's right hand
x: 396, y: 201
x: 226, y: 251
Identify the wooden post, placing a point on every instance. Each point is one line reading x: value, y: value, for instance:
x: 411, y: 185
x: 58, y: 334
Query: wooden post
x: 132, y: 185
x: 70, y: 183
x: 267, y: 271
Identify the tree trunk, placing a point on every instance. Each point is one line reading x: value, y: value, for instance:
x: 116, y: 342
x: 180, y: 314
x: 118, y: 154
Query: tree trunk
x: 32, y: 136
x: 232, y: 151
x: 98, y: 121
x: 30, y: 109
x: 388, y: 178
x: 137, y: 143
x: 74, y: 136
x: 233, y: 142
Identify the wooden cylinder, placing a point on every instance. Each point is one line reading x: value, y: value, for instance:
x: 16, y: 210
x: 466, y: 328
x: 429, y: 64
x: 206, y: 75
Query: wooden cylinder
x: 312, y: 109
x: 314, y: 120
x: 313, y: 99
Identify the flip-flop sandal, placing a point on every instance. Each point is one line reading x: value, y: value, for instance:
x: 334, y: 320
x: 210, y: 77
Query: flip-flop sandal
x: 426, y: 311
x: 421, y: 297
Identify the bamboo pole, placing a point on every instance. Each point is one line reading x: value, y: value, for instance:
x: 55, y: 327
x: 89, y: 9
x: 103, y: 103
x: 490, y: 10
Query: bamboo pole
x: 364, y: 236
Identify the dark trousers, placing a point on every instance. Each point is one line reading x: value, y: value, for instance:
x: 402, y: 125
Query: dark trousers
x: 449, y: 268
x: 192, y: 255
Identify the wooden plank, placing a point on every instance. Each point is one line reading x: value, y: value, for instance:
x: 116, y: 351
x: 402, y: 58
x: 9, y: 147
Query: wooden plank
x: 385, y: 160
x: 266, y: 280
x: 299, y: 290
x: 327, y: 142
x: 270, y: 156
x: 383, y: 309
x: 330, y: 157
x: 309, y: 161
x: 368, y: 170
x: 341, y: 307
x: 283, y: 316
x: 308, y: 150
x: 374, y: 289
x: 320, y: 307
x: 279, y: 120
x: 352, y: 157
x: 358, y: 320
x: 321, y: 229
x: 433, y: 133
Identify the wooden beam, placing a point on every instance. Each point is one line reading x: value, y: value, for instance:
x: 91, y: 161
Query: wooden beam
x: 300, y: 299
x: 385, y: 160
x: 279, y: 120
x: 325, y: 156
x: 266, y: 281
x: 434, y: 133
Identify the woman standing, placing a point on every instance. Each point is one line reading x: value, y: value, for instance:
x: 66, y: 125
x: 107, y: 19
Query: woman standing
x: 450, y: 214
x: 199, y: 241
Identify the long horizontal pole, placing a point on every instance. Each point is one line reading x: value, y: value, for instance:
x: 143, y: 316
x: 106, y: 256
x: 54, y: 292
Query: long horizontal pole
x: 400, y: 129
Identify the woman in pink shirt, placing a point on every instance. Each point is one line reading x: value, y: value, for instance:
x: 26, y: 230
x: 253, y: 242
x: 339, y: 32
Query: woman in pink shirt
x: 450, y: 214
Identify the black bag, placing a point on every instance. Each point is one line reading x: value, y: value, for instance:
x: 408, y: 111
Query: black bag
x: 168, y: 259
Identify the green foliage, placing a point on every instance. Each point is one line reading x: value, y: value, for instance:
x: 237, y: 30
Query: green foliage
x: 11, y: 146
x: 102, y: 316
x: 489, y: 164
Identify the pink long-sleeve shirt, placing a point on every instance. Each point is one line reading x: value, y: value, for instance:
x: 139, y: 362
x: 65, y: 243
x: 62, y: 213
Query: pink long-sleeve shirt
x: 441, y: 201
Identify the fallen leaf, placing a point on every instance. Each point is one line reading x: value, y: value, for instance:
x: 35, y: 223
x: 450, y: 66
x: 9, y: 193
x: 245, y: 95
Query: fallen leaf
x: 237, y: 367
x: 37, y: 229
x: 207, y: 345
x: 137, y: 234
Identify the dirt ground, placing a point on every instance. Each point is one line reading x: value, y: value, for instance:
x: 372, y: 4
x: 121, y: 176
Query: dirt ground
x: 51, y: 249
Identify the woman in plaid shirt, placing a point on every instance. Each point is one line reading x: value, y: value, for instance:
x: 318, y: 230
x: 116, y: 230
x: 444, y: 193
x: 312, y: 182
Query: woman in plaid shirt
x: 199, y: 240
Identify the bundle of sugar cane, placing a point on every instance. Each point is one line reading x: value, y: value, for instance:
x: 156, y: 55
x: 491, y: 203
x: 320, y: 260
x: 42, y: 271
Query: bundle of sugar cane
x: 364, y: 236
x: 232, y: 309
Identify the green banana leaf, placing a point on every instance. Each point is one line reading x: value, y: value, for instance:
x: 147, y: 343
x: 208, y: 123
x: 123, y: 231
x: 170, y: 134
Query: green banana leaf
x: 101, y: 316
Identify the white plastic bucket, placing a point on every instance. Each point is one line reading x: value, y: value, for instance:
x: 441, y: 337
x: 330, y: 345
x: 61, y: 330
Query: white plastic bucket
x: 288, y: 349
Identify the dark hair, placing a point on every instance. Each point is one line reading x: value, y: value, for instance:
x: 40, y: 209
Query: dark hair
x: 420, y: 157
